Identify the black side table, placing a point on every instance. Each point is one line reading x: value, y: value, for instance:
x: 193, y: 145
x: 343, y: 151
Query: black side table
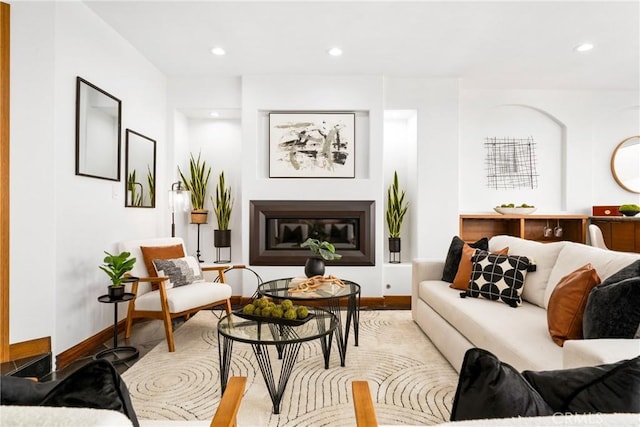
x: 128, y: 352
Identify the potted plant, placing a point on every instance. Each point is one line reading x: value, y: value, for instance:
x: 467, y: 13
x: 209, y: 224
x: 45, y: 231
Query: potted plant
x: 116, y: 266
x: 197, y: 185
x: 396, y: 210
x: 323, y: 250
x: 222, y: 206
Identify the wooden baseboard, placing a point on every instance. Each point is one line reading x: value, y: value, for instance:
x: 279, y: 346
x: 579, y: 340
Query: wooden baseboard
x: 29, y: 348
x: 398, y: 302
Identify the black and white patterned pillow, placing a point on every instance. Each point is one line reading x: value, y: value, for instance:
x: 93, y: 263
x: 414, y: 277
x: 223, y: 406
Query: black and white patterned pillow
x: 180, y: 271
x: 498, y: 277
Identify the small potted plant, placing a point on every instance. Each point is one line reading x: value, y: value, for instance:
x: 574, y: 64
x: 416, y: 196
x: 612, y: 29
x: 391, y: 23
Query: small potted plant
x: 116, y: 266
x: 396, y: 210
x: 222, y: 206
x: 197, y: 185
x: 323, y: 250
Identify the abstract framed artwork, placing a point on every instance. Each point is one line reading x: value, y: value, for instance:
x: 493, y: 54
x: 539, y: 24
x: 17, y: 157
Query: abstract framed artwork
x: 311, y: 145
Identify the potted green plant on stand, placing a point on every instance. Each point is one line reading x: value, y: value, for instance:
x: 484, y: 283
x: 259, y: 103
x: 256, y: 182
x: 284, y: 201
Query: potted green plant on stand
x: 396, y: 210
x: 222, y: 206
x: 197, y: 185
x: 116, y: 266
x: 323, y: 250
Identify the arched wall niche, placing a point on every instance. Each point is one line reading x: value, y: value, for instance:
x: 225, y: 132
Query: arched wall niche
x: 514, y: 121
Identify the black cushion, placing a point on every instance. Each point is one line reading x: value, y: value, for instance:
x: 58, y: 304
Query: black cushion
x: 23, y: 391
x: 454, y: 254
x: 96, y: 385
x: 622, y: 291
x: 488, y: 388
x: 607, y: 388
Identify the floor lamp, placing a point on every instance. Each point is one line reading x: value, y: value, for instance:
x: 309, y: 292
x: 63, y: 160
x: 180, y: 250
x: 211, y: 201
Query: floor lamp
x: 179, y: 200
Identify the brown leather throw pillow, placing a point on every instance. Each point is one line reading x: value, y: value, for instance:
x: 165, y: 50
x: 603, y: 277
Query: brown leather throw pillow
x: 149, y: 253
x: 567, y: 303
x: 461, y: 281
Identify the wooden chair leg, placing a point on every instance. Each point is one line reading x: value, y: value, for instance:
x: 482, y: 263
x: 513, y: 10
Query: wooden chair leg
x: 168, y: 329
x: 227, y: 411
x: 228, y: 306
x: 129, y: 322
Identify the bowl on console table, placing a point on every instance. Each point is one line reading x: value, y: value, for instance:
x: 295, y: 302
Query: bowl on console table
x: 629, y: 212
x: 514, y: 211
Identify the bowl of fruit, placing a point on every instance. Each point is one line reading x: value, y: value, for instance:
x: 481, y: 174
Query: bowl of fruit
x: 512, y: 209
x: 629, y: 209
x: 284, y: 312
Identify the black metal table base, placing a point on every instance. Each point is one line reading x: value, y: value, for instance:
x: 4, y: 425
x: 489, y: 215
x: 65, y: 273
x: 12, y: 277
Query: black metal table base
x: 130, y: 353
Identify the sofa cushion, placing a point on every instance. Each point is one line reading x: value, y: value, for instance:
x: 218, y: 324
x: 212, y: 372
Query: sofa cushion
x: 461, y: 281
x: 455, y: 253
x: 498, y: 277
x: 488, y: 388
x: 575, y: 255
x: 543, y: 255
x: 180, y: 271
x: 497, y: 331
x: 95, y: 385
x: 613, y: 308
x: 567, y: 303
x: 185, y: 298
x: 593, y: 389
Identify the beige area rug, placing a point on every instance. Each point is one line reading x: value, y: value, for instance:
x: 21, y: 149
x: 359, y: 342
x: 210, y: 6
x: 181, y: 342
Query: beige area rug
x: 410, y: 381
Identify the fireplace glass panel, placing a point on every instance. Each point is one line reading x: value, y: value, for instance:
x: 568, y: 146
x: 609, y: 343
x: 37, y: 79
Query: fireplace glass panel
x: 288, y: 233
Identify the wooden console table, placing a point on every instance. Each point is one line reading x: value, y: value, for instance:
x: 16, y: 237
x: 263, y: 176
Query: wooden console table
x: 530, y: 227
x: 621, y: 233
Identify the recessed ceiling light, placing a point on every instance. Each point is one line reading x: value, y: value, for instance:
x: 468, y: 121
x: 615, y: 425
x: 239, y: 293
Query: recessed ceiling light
x: 335, y: 51
x: 218, y: 51
x: 584, y: 47
x: 214, y: 114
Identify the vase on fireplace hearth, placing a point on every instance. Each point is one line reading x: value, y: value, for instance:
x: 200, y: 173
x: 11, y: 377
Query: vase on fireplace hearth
x: 314, y: 266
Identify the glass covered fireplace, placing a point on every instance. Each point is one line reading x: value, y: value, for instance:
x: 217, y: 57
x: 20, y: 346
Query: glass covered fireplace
x: 278, y: 227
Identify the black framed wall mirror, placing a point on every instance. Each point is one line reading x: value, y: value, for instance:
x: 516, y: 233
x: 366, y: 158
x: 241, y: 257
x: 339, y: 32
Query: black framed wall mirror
x: 140, y: 170
x: 98, y: 118
x: 625, y: 164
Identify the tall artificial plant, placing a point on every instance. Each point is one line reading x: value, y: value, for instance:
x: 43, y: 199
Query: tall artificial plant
x: 396, y: 207
x: 152, y: 185
x: 197, y: 182
x: 223, y: 203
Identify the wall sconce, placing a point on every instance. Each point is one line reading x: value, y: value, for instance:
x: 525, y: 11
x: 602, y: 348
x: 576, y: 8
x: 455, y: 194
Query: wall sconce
x: 179, y: 200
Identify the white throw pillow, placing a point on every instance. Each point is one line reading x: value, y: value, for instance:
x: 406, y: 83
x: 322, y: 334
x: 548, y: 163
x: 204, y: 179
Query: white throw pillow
x: 543, y: 255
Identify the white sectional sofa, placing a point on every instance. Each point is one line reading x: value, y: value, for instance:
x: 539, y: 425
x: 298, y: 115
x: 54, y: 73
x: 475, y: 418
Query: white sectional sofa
x: 518, y: 336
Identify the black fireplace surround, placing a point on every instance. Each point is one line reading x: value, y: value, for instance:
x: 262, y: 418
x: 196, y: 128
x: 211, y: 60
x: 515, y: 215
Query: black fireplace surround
x: 278, y: 227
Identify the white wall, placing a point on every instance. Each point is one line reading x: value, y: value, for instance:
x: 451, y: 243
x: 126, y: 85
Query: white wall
x: 55, y: 279
x: 362, y: 94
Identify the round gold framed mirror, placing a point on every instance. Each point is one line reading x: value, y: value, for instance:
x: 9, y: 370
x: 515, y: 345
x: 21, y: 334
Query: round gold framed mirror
x: 625, y: 164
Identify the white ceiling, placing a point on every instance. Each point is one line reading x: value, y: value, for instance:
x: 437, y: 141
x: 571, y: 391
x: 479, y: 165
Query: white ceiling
x: 503, y: 44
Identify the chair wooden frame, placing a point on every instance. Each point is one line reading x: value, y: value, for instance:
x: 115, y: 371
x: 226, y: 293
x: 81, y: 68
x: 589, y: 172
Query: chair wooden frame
x: 227, y: 412
x: 363, y: 404
x: 165, y: 315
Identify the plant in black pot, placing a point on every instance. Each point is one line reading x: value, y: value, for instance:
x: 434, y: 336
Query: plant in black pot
x: 630, y: 209
x: 322, y: 250
x: 396, y: 210
x: 116, y: 266
x: 222, y: 205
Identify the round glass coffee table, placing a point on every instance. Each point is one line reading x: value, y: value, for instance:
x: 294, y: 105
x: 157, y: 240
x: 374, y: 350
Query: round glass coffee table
x: 287, y: 340
x: 328, y: 296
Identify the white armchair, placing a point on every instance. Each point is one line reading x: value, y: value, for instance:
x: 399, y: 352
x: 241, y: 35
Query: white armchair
x: 167, y: 302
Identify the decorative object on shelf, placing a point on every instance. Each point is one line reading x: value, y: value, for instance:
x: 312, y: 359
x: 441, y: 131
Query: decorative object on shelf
x: 625, y: 166
x: 629, y: 209
x: 396, y: 210
x: 179, y: 200
x: 323, y: 250
x: 547, y: 231
x: 197, y: 185
x: 511, y: 209
x: 511, y: 163
x: 605, y: 211
x: 116, y: 266
x: 140, y: 156
x: 557, y: 230
x: 312, y: 145
x: 222, y: 206
x: 98, y: 124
